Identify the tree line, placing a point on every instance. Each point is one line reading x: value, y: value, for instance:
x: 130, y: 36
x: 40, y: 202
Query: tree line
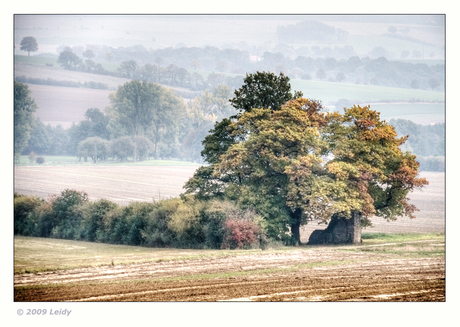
x: 145, y: 120
x: 178, y: 133
x: 175, y: 66
x: 166, y: 223
x: 428, y: 142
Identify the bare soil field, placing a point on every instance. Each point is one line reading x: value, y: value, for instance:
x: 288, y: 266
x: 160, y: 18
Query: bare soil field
x: 348, y: 273
x: 120, y: 184
x: 58, y: 105
x: 59, y: 74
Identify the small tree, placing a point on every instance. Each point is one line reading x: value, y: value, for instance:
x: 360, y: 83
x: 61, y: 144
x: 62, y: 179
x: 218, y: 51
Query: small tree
x: 29, y: 44
x: 32, y: 156
x: 321, y: 74
x: 89, y: 54
x: 434, y: 83
x: 94, y: 147
x: 122, y: 148
x: 69, y: 60
x: 195, y: 64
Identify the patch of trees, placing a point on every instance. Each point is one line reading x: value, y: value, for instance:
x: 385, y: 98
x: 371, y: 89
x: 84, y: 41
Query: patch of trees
x: 145, y: 121
x: 292, y: 162
x: 177, y: 66
x: 166, y: 223
x: 307, y: 31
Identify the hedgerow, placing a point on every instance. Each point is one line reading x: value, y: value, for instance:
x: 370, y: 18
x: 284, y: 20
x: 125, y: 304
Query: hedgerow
x: 179, y: 223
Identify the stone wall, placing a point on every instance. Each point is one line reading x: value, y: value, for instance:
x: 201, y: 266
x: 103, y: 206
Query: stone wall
x: 340, y: 230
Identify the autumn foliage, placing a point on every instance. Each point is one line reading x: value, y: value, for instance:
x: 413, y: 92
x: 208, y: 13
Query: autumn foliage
x: 300, y: 163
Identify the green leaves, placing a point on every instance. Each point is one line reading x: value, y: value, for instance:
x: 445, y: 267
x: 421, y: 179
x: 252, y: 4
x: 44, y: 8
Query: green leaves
x: 24, y: 107
x: 293, y: 162
x: 263, y: 90
x: 143, y: 108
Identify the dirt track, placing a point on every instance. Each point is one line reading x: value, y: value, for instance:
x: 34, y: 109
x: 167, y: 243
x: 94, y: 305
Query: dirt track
x: 315, y: 274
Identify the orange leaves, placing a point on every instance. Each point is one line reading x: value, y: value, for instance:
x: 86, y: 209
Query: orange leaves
x: 365, y: 123
x: 406, y: 174
x: 302, y: 167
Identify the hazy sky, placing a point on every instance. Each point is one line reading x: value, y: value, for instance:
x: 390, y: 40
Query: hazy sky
x: 159, y: 31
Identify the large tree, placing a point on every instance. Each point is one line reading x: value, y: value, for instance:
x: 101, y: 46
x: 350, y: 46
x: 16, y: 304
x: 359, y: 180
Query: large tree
x: 29, y: 44
x: 146, y: 109
x: 298, y: 163
x: 24, y: 107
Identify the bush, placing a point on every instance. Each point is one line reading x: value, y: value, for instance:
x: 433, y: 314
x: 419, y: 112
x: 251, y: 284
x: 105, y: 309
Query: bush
x: 240, y: 234
x: 93, y: 219
x: 25, y: 214
x: 156, y: 232
x: 67, y: 214
x: 187, y: 225
x: 115, y: 226
x: 215, y: 216
x: 121, y: 148
x: 168, y: 223
x: 137, y: 216
x: 40, y: 160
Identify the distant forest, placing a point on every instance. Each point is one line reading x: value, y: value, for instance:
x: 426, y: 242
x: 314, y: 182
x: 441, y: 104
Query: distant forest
x: 425, y: 141
x: 181, y: 66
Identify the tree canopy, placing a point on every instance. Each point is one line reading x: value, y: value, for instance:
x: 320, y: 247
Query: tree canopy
x: 263, y: 90
x: 299, y: 163
x: 69, y: 60
x: 24, y: 107
x: 29, y: 44
x: 143, y: 108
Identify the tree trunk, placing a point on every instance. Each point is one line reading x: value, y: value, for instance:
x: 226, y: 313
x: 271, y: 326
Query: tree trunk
x: 295, y: 225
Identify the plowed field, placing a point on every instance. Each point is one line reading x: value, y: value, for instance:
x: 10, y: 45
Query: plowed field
x: 351, y: 273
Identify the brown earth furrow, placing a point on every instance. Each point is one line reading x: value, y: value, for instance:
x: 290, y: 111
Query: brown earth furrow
x: 392, y: 280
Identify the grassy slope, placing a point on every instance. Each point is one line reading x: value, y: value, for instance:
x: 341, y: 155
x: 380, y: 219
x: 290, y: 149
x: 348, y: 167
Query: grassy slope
x: 331, y: 92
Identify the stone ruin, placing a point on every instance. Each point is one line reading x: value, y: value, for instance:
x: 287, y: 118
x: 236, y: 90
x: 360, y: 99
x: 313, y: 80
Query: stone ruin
x: 340, y: 230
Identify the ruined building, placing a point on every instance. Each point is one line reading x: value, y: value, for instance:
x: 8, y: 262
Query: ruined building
x: 339, y: 231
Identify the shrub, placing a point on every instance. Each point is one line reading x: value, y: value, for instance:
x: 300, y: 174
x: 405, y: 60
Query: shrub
x: 240, y: 234
x: 93, y: 216
x: 115, y: 226
x: 214, y: 219
x: 186, y: 223
x: 25, y: 214
x: 156, y: 232
x: 121, y: 148
x: 32, y: 157
x: 67, y: 214
x: 137, y: 217
x: 45, y: 220
x: 40, y: 160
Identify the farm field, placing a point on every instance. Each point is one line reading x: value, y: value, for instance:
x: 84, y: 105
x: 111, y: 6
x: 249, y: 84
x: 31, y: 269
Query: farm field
x: 120, y: 184
x: 411, y: 269
x: 331, y: 91
x: 44, y: 72
x: 58, y: 105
